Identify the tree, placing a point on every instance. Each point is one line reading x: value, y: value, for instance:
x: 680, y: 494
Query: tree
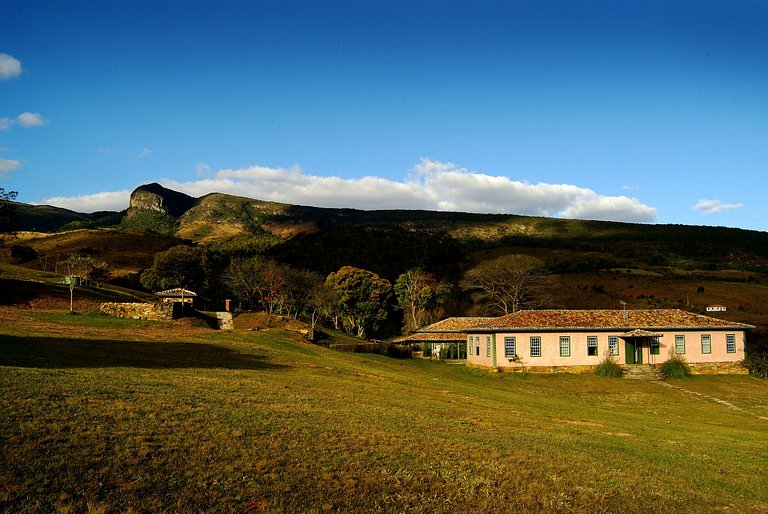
x: 99, y: 272
x: 324, y: 301
x: 505, y: 284
x: 299, y: 292
x: 364, y: 298
x: 243, y: 278
x: 7, y: 210
x: 260, y: 282
x: 179, y: 266
x: 77, y: 269
x: 421, y: 297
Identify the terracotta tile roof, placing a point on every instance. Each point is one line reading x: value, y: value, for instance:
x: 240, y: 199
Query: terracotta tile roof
x: 455, y: 324
x: 449, y: 329
x: 434, y: 337
x: 652, y: 319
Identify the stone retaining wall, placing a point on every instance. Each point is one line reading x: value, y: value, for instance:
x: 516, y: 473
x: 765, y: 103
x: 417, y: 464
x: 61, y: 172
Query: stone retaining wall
x: 149, y: 311
x: 718, y: 368
x: 697, y: 368
x: 537, y: 369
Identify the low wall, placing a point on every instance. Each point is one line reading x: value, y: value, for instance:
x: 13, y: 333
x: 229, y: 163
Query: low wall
x: 718, y: 368
x: 150, y: 311
x: 697, y: 368
x: 537, y: 369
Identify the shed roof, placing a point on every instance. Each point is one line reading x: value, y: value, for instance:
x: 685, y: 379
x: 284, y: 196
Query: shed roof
x: 650, y: 319
x: 177, y: 292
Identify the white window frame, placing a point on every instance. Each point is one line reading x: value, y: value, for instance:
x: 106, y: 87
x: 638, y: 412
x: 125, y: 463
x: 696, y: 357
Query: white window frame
x: 565, y: 346
x: 510, y: 344
x: 536, y: 344
x: 730, y: 343
x: 706, y: 344
x: 680, y: 343
x: 487, y: 346
x: 613, y: 345
x: 590, y: 341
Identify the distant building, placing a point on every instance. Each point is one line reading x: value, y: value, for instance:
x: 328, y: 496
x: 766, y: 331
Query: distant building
x: 716, y: 308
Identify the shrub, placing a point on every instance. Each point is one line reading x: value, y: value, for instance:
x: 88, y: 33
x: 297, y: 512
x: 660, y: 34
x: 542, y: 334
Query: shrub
x: 23, y: 253
x: 609, y: 368
x: 676, y: 367
x: 757, y: 364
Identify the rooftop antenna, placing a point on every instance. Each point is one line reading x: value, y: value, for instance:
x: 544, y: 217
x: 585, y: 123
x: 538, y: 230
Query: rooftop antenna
x: 624, y: 312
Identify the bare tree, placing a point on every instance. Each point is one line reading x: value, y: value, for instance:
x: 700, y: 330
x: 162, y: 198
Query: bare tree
x: 506, y: 284
x: 77, y: 269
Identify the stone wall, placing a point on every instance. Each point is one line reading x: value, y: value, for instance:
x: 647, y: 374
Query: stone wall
x: 697, y: 368
x: 718, y: 368
x: 150, y: 311
x: 584, y: 369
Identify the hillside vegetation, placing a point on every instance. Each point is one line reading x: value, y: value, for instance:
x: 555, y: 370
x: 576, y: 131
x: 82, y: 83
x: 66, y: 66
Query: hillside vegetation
x: 591, y: 264
x: 116, y: 415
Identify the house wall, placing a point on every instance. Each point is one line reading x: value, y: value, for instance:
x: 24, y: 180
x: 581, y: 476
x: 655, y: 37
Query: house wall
x: 579, y: 359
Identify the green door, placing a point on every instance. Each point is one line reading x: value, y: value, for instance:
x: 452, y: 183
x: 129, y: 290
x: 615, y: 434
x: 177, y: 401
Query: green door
x: 633, y: 351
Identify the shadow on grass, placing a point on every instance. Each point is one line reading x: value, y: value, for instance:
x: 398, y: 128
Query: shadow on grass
x: 55, y: 352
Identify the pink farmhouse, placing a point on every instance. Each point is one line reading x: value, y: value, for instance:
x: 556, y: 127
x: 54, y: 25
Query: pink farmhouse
x: 578, y: 340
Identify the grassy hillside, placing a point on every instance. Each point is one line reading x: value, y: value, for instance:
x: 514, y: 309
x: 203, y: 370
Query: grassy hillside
x: 46, y: 218
x: 591, y: 263
x: 126, y: 252
x: 38, y: 289
x: 111, y: 415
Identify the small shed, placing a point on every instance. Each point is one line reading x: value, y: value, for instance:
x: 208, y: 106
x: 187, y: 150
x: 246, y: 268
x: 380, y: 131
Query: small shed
x: 184, y: 301
x: 716, y: 308
x: 177, y: 295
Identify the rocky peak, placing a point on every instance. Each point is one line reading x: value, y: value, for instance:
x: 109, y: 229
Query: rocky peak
x: 154, y: 197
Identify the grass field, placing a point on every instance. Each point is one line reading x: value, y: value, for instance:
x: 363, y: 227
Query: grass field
x: 113, y: 415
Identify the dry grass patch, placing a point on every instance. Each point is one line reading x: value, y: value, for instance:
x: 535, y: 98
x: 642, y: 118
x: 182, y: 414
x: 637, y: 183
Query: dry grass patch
x: 146, y: 420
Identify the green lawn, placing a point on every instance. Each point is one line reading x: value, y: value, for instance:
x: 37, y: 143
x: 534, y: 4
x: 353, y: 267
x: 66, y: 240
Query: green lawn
x: 129, y: 416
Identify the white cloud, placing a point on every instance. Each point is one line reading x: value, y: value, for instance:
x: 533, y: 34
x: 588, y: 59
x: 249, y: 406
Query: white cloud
x: 8, y: 165
x: 715, y: 206
x: 107, y: 201
x: 25, y: 119
x: 9, y: 66
x: 431, y: 185
x: 31, y: 119
x: 144, y: 152
x: 202, y: 170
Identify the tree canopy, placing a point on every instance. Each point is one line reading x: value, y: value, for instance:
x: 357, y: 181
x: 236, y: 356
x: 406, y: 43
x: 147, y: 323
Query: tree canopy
x: 179, y: 266
x: 364, y: 298
x: 505, y: 284
x: 7, y: 210
x: 421, y: 296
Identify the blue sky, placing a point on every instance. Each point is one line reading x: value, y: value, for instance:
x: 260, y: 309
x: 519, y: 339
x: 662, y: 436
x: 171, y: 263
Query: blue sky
x: 640, y: 111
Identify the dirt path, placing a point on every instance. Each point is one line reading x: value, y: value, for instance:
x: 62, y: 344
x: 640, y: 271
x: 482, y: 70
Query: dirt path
x: 713, y: 399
